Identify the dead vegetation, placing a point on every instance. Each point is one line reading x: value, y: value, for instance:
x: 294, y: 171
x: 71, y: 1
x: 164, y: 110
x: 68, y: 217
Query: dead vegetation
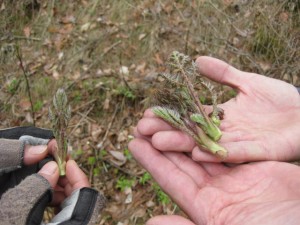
x: 107, y: 54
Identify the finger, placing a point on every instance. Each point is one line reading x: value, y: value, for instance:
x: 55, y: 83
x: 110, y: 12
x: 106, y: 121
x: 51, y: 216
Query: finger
x: 52, y: 146
x: 149, y: 126
x: 173, y: 141
x: 188, y: 166
x: 221, y: 72
x: 204, y: 156
x: 165, y: 172
x: 76, y: 177
x: 238, y: 152
x: 148, y: 113
x: 169, y: 220
x: 50, y: 172
x: 215, y: 169
x: 34, y: 154
x: 58, y: 197
x: 137, y: 134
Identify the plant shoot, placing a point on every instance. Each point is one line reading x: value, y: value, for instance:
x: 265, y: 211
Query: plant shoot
x: 60, y: 114
x: 178, y: 103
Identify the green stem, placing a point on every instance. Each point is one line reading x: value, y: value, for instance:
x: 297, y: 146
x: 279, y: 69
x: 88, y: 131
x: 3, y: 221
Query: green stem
x: 212, y: 130
x: 210, y: 145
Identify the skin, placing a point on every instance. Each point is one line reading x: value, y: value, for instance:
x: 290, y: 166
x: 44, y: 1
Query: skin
x: 62, y: 186
x: 261, y: 123
x: 211, y: 193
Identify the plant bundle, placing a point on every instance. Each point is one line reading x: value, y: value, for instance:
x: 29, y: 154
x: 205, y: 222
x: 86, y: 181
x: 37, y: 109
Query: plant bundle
x: 60, y: 114
x: 178, y: 103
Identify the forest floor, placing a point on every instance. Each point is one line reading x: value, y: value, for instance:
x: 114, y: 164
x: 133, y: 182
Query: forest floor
x: 108, y: 54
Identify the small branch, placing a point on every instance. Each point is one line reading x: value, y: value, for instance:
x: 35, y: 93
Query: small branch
x: 11, y: 38
x: 108, y: 128
x: 82, y: 118
x: 19, y: 56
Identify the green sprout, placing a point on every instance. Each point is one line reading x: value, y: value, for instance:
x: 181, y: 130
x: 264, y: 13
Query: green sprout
x: 178, y: 103
x: 60, y: 114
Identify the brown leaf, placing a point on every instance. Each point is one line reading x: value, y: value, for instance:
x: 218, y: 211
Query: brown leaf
x: 68, y: 19
x: 158, y: 59
x: 119, y: 156
x: 25, y: 104
x: 123, y: 136
x: 27, y: 31
x: 106, y: 104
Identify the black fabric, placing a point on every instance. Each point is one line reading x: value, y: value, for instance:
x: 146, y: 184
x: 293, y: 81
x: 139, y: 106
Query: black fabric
x: 37, y: 212
x: 84, y: 207
x: 12, y: 179
x: 17, y: 132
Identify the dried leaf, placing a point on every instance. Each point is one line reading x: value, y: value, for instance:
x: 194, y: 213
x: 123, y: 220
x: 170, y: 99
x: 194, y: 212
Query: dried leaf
x: 123, y: 136
x: 118, y: 156
x: 68, y: 19
x: 27, y: 31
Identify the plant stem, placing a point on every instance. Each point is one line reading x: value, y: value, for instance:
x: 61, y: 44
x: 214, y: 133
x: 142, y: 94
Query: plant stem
x: 212, y: 130
x: 19, y: 56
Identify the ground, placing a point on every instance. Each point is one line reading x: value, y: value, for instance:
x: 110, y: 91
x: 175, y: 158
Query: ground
x: 107, y: 55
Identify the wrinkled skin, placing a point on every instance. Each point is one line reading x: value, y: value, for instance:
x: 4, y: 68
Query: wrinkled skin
x: 261, y: 123
x: 211, y: 193
x: 63, y: 186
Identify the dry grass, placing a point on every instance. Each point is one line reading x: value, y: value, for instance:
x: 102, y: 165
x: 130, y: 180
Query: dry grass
x: 81, y: 46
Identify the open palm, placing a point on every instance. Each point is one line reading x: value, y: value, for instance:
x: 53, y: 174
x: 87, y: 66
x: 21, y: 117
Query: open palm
x: 261, y: 123
x: 211, y: 193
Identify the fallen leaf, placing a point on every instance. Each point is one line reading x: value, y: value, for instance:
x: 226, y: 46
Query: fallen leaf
x: 128, y: 192
x: 118, y: 155
x: 142, y: 36
x: 85, y: 27
x: 55, y: 75
x: 28, y: 117
x: 68, y: 19
x: 2, y: 6
x: 106, y: 104
x: 27, y: 31
x: 123, y: 136
x: 25, y: 104
x: 124, y: 70
x: 158, y: 59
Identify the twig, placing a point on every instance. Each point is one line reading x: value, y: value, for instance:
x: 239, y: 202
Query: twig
x: 83, y: 105
x: 104, y: 53
x: 11, y: 38
x: 83, y: 117
x: 108, y: 128
x: 19, y: 56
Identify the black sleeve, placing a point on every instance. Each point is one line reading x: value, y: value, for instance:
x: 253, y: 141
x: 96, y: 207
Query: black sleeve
x: 17, y: 132
x: 12, y: 179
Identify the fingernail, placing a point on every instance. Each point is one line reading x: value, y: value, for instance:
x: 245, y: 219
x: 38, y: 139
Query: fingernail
x: 36, y: 150
x: 49, y: 169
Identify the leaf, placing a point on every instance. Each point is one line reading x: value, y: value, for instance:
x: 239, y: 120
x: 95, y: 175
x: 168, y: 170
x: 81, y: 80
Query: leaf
x: 27, y: 31
x: 169, y: 115
x: 198, y: 118
x: 119, y: 156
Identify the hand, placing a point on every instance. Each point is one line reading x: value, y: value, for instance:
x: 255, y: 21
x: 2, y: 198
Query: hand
x: 211, y: 193
x: 24, y: 203
x: 261, y: 123
x: 23, y: 152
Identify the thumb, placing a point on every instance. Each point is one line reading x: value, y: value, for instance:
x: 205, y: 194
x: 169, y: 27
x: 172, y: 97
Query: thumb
x: 221, y: 72
x: 50, y: 172
x: 34, y: 154
x: 169, y: 220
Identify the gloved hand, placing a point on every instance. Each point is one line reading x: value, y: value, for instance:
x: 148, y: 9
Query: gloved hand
x: 25, y: 199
